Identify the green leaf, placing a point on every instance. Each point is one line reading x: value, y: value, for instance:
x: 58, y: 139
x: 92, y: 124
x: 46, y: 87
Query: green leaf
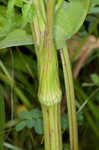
x: 25, y: 115
x: 20, y: 126
x: 28, y: 12
x: 36, y: 113
x: 3, y: 10
x: 66, y: 147
x: 69, y: 19
x: 95, y: 79
x: 39, y: 126
x: 16, y: 38
x: 3, y: 20
x: 10, y: 11
x: 11, y: 123
x: 64, y: 122
x: 30, y: 123
x: 19, y: 3
x: 94, y: 2
x: 80, y: 118
x: 7, y: 27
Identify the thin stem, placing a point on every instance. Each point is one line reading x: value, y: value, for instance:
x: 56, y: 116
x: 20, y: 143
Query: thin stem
x: 12, y: 87
x: 52, y: 127
x: 70, y: 98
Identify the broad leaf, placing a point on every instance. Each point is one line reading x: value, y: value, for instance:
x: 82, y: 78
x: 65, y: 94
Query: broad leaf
x: 7, y: 27
x: 69, y: 19
x: 19, y: 3
x: 28, y: 12
x: 25, y: 115
x: 39, y: 126
x: 36, y: 113
x: 20, y: 126
x: 64, y: 122
x: 16, y: 38
x: 30, y: 123
x: 94, y: 2
x: 95, y: 79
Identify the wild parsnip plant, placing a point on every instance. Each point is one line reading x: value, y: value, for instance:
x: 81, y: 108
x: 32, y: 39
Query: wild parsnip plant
x: 49, y: 90
x: 48, y: 24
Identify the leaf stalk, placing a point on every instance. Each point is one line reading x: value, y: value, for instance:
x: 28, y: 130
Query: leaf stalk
x: 70, y: 98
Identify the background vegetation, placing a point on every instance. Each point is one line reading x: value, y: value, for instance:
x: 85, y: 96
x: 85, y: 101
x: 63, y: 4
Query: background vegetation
x: 21, y: 125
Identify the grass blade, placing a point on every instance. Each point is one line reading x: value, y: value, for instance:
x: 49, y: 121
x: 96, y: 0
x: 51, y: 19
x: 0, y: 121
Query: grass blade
x: 2, y: 119
x: 10, y: 146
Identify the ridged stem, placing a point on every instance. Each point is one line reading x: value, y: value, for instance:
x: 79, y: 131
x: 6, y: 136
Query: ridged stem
x: 49, y: 26
x: 70, y: 99
x: 52, y: 127
x: 49, y: 92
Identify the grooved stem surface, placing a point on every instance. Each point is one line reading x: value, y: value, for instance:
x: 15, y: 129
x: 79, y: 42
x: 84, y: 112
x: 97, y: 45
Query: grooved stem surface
x: 52, y: 127
x: 70, y: 99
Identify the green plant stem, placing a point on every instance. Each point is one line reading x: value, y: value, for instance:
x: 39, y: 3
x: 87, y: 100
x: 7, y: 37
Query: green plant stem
x: 38, y: 25
x: 49, y: 92
x: 70, y: 98
x: 35, y: 33
x: 49, y: 27
x: 52, y: 127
